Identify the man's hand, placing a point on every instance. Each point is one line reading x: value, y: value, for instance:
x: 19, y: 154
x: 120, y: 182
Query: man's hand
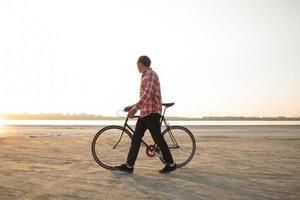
x: 131, y: 113
x: 127, y: 108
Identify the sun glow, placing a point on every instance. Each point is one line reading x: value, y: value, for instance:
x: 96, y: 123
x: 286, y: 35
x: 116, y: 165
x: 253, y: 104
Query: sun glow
x: 2, y: 127
x: 213, y: 59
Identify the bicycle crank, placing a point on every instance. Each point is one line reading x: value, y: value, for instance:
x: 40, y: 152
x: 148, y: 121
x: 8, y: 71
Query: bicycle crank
x: 150, y: 151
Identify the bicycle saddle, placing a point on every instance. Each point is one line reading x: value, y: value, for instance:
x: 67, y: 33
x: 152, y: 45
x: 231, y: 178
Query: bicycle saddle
x: 168, y: 104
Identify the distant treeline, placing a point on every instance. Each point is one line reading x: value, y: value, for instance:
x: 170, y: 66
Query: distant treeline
x: 84, y: 116
x: 252, y: 118
x: 56, y: 116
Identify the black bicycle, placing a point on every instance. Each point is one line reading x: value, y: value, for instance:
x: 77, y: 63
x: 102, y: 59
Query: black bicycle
x: 110, y: 145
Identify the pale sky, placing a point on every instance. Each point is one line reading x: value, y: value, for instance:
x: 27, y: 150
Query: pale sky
x: 214, y: 58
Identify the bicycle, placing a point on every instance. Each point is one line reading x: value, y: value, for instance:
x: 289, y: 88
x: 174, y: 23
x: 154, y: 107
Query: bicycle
x: 110, y: 148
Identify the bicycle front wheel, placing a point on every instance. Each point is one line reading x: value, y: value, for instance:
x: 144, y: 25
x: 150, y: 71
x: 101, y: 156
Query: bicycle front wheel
x: 182, y: 144
x: 110, y: 146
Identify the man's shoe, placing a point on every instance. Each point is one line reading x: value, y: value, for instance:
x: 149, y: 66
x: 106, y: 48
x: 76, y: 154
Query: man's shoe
x: 124, y: 168
x: 167, y: 169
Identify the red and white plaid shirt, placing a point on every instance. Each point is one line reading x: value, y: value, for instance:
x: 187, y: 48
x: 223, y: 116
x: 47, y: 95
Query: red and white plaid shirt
x: 150, y: 96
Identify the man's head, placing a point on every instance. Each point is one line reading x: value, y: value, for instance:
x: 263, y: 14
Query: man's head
x: 143, y: 63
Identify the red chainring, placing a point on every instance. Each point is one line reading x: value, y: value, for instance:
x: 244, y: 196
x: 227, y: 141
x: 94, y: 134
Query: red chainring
x: 150, y: 151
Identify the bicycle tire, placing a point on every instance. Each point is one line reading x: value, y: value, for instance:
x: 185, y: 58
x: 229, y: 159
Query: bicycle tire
x: 178, y: 156
x: 113, y: 133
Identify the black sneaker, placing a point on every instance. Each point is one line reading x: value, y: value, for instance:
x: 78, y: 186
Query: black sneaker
x: 124, y: 168
x: 167, y: 169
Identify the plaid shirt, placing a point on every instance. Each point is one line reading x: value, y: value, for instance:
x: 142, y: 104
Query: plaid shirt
x: 150, y: 96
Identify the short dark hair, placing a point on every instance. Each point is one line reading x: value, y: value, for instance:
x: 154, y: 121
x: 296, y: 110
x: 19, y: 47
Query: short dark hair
x: 145, y: 60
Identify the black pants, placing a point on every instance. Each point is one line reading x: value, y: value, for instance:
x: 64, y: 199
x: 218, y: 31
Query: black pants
x: 151, y: 122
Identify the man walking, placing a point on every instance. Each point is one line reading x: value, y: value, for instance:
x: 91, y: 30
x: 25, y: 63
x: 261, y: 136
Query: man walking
x: 150, y: 106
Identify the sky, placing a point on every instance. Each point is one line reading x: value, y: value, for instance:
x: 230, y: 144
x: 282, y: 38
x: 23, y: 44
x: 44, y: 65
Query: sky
x: 213, y: 58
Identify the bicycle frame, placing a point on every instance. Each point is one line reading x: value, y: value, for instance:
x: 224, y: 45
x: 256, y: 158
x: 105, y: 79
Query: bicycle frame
x: 131, y: 131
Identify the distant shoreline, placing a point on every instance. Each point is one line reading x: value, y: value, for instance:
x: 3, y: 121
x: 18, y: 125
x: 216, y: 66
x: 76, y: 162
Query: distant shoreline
x: 168, y: 118
x: 99, y: 117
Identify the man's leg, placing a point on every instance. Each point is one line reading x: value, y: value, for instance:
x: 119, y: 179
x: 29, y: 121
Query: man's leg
x: 136, y: 142
x: 152, y: 122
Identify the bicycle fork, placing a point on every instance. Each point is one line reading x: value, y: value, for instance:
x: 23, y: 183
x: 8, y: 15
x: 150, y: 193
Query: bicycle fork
x: 119, y: 140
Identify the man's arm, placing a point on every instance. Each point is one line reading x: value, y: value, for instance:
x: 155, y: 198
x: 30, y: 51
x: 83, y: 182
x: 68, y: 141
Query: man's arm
x: 127, y: 108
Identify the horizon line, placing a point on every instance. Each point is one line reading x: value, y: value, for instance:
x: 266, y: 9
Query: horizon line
x: 24, y: 114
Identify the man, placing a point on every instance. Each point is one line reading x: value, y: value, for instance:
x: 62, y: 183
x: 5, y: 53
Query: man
x: 150, y: 106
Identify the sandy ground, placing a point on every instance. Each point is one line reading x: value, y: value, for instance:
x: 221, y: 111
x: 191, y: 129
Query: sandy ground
x: 224, y: 167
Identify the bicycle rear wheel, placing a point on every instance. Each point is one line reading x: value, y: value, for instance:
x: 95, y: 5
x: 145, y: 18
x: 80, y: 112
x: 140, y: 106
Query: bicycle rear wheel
x: 110, y: 146
x: 181, y: 143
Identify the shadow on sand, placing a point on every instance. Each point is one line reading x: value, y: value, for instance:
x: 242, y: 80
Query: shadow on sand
x: 188, y: 183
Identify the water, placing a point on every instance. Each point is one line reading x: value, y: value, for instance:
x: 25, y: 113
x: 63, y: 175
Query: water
x: 40, y: 128
x: 132, y: 122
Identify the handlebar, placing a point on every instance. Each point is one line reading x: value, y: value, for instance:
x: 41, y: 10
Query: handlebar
x: 135, y: 116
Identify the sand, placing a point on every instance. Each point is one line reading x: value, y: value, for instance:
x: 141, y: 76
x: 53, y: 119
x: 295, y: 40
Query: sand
x: 224, y: 167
